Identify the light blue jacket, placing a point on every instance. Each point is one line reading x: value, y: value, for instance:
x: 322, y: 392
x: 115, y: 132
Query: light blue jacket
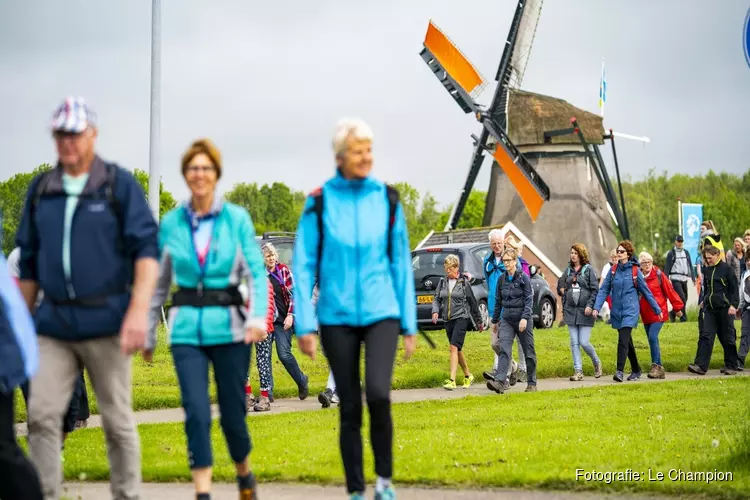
x: 233, y: 256
x: 19, y: 354
x: 358, y: 285
x: 626, y: 305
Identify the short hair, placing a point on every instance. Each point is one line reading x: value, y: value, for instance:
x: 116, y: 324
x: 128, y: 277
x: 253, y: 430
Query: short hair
x: 710, y: 225
x: 613, y: 253
x: 645, y: 256
x: 747, y: 233
x: 206, y: 147
x: 583, y: 253
x: 511, y: 252
x: 712, y: 250
x: 350, y: 127
x: 628, y: 246
x: 270, y: 248
x: 451, y: 261
x: 496, y: 233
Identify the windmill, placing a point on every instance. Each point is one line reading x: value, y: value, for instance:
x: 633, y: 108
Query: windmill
x: 524, y: 134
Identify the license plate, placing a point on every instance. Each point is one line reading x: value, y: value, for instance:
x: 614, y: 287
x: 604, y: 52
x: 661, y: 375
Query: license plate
x: 424, y: 299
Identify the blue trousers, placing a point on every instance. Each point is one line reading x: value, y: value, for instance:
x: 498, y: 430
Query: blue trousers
x: 231, y: 363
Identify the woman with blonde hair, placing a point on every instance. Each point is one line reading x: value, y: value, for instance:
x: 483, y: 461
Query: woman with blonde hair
x: 208, y: 248
x: 455, y: 298
x: 736, y: 258
x: 579, y: 286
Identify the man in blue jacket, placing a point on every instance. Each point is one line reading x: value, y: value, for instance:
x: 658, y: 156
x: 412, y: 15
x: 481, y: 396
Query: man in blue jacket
x: 19, y: 359
x: 89, y: 241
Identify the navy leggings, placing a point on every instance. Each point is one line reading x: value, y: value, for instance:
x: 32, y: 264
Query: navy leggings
x: 230, y: 362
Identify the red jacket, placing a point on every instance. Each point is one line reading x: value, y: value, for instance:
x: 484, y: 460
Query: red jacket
x: 659, y: 290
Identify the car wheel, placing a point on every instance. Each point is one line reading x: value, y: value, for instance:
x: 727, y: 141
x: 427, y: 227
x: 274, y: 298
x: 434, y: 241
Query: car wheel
x: 546, y: 313
x: 485, y: 313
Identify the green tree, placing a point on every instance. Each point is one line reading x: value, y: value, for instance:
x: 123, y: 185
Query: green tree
x: 166, y: 200
x: 249, y: 196
x: 12, y: 198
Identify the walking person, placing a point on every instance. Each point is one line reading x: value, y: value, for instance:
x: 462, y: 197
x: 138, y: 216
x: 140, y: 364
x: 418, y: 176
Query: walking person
x: 624, y: 281
x: 353, y: 240
x: 579, y: 285
x: 736, y: 258
x: 663, y: 291
x: 709, y: 236
x: 262, y: 356
x: 679, y: 267
x: 19, y: 360
x: 718, y: 300
x: 283, y: 326
x: 512, y: 318
x: 455, y: 300
x: 493, y: 268
x: 82, y: 212
x: 744, y: 293
x: 208, y: 248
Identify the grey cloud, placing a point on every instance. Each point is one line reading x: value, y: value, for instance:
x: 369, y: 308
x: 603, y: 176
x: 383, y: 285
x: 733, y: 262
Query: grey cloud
x: 268, y: 81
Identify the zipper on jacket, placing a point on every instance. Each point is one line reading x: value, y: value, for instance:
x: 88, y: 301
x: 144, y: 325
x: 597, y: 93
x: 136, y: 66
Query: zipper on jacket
x: 355, y: 197
x: 69, y: 278
x: 711, y: 295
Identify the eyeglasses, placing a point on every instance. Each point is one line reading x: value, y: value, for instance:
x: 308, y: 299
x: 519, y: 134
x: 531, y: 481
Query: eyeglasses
x: 620, y: 250
x: 507, y: 260
x: 194, y: 169
x: 646, y: 262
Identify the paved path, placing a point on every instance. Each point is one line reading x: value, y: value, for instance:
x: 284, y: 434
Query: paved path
x: 277, y: 491
x: 409, y: 396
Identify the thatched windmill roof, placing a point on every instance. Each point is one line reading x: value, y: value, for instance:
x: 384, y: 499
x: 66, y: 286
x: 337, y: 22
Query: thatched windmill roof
x: 530, y: 115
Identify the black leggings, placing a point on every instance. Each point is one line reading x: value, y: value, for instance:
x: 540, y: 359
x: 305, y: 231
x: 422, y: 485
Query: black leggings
x: 342, y: 346
x: 626, y: 350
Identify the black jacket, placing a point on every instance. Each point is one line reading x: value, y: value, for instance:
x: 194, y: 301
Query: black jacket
x: 720, y: 288
x: 588, y: 283
x: 670, y: 263
x: 513, y: 298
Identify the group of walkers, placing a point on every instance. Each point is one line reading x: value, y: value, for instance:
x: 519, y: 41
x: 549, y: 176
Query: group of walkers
x: 65, y: 315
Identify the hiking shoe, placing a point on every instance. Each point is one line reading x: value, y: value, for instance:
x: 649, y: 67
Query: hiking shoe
x: 496, y: 386
x: 304, y: 391
x: 728, y: 371
x: 449, y: 385
x: 249, y: 494
x: 513, y: 377
x: 357, y: 496
x: 598, y: 370
x: 577, y: 376
x: 335, y: 398
x: 696, y: 369
x: 249, y: 401
x: 325, y: 398
x: 522, y: 376
x: 618, y: 376
x: 653, y: 371
x: 262, y: 404
x: 387, y: 494
x: 489, y: 374
x: 468, y: 381
x: 634, y: 376
x: 530, y: 388
x: 82, y: 424
x: 662, y: 374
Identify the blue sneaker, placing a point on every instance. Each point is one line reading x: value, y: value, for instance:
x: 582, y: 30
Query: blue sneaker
x: 387, y: 494
x: 357, y: 496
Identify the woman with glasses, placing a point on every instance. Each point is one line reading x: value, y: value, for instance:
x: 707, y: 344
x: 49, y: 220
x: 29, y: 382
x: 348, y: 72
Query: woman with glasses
x: 662, y: 289
x: 579, y: 285
x: 208, y: 248
x: 512, y: 317
x: 624, y: 281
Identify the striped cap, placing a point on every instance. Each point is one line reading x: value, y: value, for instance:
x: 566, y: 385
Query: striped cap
x: 73, y: 116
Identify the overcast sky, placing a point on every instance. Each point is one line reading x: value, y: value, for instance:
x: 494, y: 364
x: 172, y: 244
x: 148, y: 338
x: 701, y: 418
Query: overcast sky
x: 268, y: 80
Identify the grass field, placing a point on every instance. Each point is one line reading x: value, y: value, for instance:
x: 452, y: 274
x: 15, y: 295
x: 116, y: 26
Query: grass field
x: 515, y: 440
x: 155, y: 386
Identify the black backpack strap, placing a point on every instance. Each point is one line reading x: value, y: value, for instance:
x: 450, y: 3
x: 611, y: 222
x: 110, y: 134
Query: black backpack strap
x: 393, y: 199
x: 114, y: 203
x: 318, y: 209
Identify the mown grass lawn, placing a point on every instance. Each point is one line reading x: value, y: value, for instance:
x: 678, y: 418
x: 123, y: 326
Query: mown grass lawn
x: 515, y: 440
x: 155, y: 386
